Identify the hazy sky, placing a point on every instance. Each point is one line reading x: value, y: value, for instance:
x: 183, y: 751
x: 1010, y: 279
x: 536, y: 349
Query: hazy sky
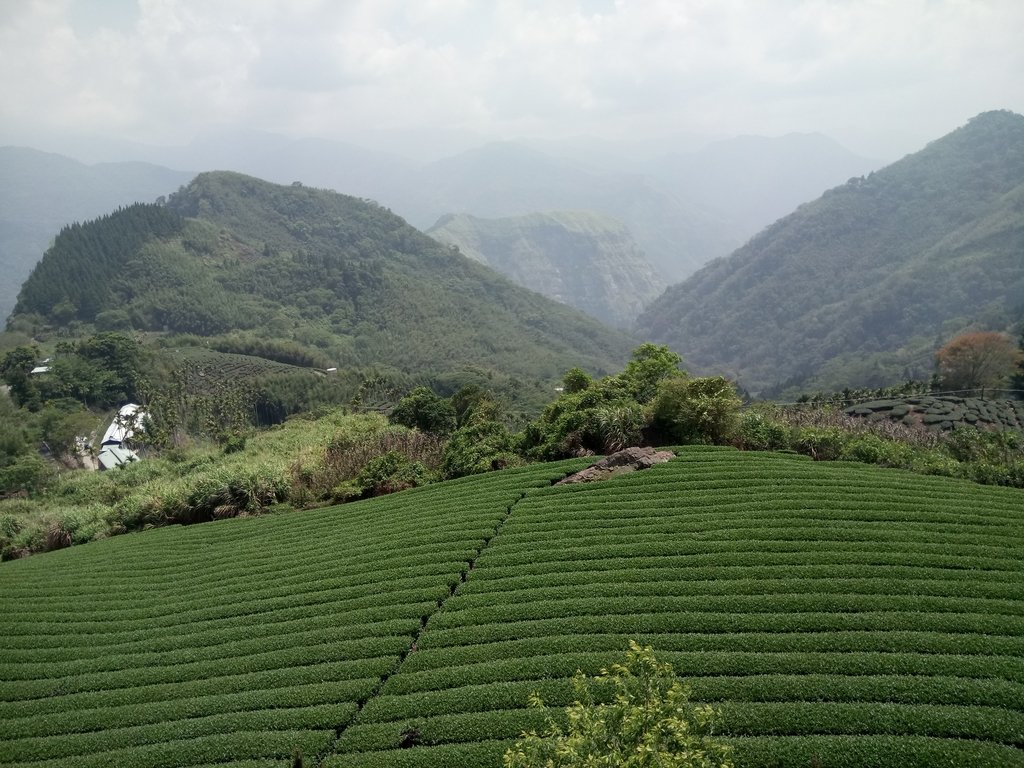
x: 881, y: 76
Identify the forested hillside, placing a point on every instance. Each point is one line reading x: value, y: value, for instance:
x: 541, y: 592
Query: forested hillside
x: 343, y: 277
x: 41, y: 192
x: 582, y: 259
x: 862, y: 285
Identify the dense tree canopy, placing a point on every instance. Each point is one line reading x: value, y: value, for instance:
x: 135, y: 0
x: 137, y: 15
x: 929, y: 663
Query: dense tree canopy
x: 977, y: 360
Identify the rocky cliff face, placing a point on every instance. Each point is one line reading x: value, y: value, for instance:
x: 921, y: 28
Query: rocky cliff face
x: 583, y: 259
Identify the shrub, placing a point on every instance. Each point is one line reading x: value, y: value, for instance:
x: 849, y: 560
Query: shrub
x: 648, y: 721
x: 758, y: 431
x: 28, y: 474
x: 872, y: 449
x: 334, y: 477
x: 576, y: 380
x: 390, y: 473
x: 428, y: 412
x: 701, y: 410
x: 820, y: 443
x: 479, y: 448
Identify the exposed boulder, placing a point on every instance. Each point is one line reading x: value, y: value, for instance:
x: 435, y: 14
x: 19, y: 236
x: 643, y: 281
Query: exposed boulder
x: 620, y: 463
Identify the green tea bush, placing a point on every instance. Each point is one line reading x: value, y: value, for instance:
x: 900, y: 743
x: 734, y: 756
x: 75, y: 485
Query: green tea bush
x: 647, y: 721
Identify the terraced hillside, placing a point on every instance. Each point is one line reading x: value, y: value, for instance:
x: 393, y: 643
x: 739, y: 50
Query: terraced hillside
x: 838, y: 614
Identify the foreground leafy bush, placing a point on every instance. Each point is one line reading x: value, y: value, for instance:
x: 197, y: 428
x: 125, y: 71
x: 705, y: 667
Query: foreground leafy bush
x: 426, y: 411
x: 390, y: 473
x: 701, y: 410
x: 648, y: 721
x: 602, y: 416
x: 477, y: 448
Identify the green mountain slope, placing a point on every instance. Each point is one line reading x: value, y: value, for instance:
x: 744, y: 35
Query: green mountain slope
x: 42, y: 192
x: 582, y: 259
x: 836, y: 614
x: 861, y: 286
x: 231, y: 253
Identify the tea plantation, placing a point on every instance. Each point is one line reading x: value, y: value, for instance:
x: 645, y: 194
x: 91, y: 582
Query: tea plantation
x: 837, y: 614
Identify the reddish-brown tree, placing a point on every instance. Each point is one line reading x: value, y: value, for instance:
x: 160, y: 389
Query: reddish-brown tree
x: 977, y: 360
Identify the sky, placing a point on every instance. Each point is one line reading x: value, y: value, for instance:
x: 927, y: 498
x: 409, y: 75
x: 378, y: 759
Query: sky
x: 421, y: 77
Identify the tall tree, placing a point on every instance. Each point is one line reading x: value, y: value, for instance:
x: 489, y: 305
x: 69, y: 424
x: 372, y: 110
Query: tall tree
x: 977, y: 360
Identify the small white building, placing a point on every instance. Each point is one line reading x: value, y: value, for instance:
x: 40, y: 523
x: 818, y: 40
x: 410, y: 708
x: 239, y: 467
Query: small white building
x: 114, y: 452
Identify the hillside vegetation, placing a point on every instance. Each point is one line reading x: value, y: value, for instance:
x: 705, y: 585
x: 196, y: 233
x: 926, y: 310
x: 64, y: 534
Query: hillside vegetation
x: 346, y: 279
x: 862, y: 286
x: 41, y: 192
x: 836, y: 613
x: 582, y: 259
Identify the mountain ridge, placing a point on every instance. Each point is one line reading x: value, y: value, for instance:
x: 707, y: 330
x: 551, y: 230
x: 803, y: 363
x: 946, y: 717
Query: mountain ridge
x: 586, y: 260
x: 879, y: 264
x: 230, y: 253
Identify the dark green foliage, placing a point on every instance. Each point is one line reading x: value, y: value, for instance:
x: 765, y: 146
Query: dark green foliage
x: 758, y: 431
x: 27, y: 473
x: 699, y: 410
x: 426, y: 411
x: 16, y: 371
x: 604, y: 416
x: 76, y: 277
x: 390, y: 473
x: 649, y: 367
x: 99, y: 371
x: 14, y: 432
x: 473, y: 404
x: 62, y: 423
x: 576, y: 380
x: 479, y: 447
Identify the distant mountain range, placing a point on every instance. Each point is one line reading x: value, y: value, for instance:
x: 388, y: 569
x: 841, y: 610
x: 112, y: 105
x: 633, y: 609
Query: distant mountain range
x: 861, y: 286
x: 682, y: 209
x: 346, y: 280
x: 582, y: 259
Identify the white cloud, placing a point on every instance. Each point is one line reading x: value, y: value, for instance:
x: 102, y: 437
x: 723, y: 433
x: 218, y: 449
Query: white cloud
x: 881, y: 76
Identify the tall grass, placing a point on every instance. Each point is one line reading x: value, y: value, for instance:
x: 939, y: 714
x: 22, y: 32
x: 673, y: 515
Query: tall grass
x: 202, y: 483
